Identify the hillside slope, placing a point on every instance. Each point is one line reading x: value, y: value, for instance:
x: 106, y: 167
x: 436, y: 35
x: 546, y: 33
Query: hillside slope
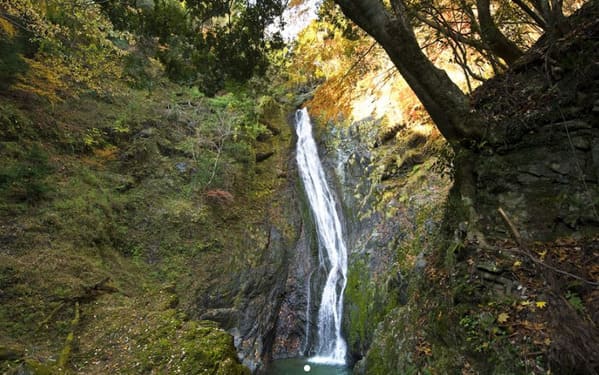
x: 122, y: 220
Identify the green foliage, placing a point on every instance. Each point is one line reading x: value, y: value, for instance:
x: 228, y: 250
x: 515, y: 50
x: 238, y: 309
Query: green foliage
x: 68, y: 47
x: 24, y: 179
x: 138, y: 69
x: 204, y: 43
x: 225, y: 133
x: 329, y: 13
x: 63, y: 47
x: 88, y: 212
x: 14, y: 124
x: 575, y: 301
x: 93, y: 137
x: 485, y: 337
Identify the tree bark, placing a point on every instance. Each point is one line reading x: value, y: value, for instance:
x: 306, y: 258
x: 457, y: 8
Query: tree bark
x: 494, y: 38
x: 447, y: 105
x: 551, y: 12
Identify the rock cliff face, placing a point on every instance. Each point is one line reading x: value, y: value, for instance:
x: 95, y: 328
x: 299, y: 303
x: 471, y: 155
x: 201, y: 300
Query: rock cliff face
x: 392, y: 202
x: 260, y: 299
x: 293, y: 328
x: 269, y: 303
x: 540, y: 161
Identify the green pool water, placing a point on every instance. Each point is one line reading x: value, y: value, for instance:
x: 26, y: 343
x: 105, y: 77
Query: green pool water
x: 295, y: 366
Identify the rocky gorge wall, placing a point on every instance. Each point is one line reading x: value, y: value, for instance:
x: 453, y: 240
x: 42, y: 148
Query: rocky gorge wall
x: 392, y: 192
x: 439, y: 279
x: 252, y: 300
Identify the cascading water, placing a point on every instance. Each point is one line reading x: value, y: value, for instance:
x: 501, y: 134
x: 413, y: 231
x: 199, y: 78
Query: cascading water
x: 331, y: 348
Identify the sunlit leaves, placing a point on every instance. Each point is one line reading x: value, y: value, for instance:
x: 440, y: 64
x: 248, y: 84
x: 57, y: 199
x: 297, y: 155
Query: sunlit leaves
x: 325, y: 58
x: 69, y: 47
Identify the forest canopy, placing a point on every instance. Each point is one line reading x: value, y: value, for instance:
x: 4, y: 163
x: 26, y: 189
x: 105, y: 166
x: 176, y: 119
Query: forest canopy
x: 201, y: 43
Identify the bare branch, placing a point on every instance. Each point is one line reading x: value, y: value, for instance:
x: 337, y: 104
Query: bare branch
x: 531, y: 13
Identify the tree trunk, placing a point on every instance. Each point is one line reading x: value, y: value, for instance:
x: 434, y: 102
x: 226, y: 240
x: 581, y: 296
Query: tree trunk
x: 447, y: 105
x: 497, y: 42
x: 552, y: 14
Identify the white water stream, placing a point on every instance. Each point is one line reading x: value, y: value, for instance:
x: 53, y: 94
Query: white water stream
x: 331, y: 347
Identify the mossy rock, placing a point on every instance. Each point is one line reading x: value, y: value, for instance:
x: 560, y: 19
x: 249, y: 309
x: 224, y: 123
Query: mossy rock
x: 189, y: 347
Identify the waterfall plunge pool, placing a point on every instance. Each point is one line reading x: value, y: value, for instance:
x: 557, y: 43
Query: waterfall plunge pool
x: 296, y: 366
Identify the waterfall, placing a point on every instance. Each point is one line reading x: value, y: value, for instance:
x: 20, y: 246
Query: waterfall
x: 331, y: 347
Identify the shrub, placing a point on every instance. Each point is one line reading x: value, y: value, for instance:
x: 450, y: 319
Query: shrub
x: 24, y: 180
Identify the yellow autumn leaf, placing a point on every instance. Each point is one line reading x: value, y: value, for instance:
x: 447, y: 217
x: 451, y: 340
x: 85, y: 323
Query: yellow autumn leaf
x: 541, y: 304
x: 503, y: 317
x: 517, y: 264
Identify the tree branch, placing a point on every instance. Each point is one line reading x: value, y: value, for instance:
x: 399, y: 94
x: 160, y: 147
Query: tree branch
x: 531, y: 13
x: 494, y: 38
x: 447, y: 105
x: 449, y: 33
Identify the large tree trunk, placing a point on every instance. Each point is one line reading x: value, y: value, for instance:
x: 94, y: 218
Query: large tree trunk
x: 447, y: 105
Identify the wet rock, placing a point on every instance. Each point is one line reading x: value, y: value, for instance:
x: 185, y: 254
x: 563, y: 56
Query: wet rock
x: 264, y: 136
x: 360, y: 367
x: 260, y: 300
x: 181, y: 167
x: 224, y: 316
x: 582, y: 143
x: 292, y: 321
